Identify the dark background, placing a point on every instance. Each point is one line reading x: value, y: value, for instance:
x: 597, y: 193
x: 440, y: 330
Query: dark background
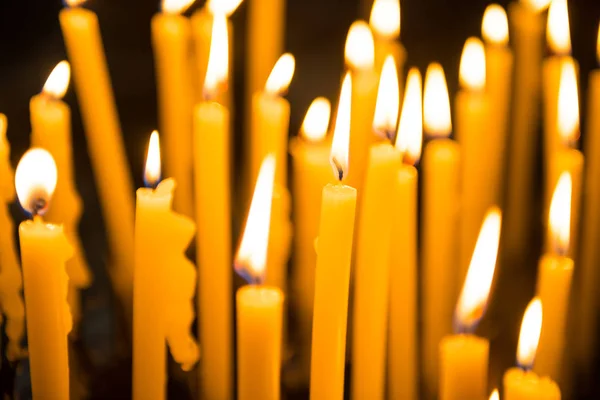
x: 31, y: 44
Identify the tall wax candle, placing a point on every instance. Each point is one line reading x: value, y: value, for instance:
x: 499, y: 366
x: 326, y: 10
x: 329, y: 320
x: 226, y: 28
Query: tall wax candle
x: 385, y: 24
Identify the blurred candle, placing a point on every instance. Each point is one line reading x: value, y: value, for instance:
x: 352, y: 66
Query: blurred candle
x: 439, y: 252
x: 464, y: 356
x: 332, y: 275
x: 44, y: 251
x: 385, y: 24
x: 521, y: 383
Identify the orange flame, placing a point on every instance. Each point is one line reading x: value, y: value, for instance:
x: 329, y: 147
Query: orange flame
x: 316, y: 121
x: 385, y: 18
x: 58, y: 82
x: 495, y: 395
x: 341, y: 134
x: 557, y: 31
x: 410, y: 130
x: 472, y: 65
x: 560, y: 213
x: 436, y: 102
x: 388, y: 99
x: 74, y: 3
x: 176, y: 6
x: 568, y: 104
x: 35, y: 180
x: 153, y: 164
x: 494, y: 27
x: 281, y: 76
x: 360, y: 47
x: 217, y: 72
x: 529, y: 338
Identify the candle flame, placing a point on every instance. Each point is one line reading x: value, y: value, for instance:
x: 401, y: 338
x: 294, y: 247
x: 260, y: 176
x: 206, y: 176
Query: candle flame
x: 223, y: 7
x: 537, y: 5
x: 495, y: 395
x: 281, y: 75
x: 217, y: 71
x: 316, y: 121
x: 557, y: 30
x: 35, y: 180
x: 598, y: 45
x: 176, y: 6
x: 436, y: 102
x: 494, y: 27
x: 529, y: 337
x: 476, y: 290
x: 388, y: 99
x: 251, y: 257
x: 153, y: 164
x: 385, y: 18
x: 58, y: 81
x: 74, y: 3
x: 568, y: 103
x: 360, y: 47
x: 560, y: 214
x: 341, y: 134
x: 472, y: 65
x: 410, y: 130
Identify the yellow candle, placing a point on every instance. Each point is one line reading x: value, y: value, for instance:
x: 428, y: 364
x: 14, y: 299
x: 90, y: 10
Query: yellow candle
x: 385, y: 24
x: 94, y: 93
x: 44, y: 251
x: 334, y: 252
x: 439, y: 252
x: 521, y: 383
x: 477, y: 151
x: 51, y: 130
x: 464, y: 356
x: 259, y: 307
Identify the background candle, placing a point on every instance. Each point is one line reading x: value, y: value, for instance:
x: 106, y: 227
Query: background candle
x: 385, y: 24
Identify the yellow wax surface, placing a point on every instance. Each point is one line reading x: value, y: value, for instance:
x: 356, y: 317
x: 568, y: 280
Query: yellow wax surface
x: 463, y: 368
x: 259, y: 331
x: 441, y: 161
x: 372, y: 273
x: 526, y: 385
x: 402, y: 340
x: 44, y: 250
x: 212, y: 174
x: 332, y: 282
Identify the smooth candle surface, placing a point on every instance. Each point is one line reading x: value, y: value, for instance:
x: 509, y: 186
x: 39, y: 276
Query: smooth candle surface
x: 527, y: 385
x: 463, y: 367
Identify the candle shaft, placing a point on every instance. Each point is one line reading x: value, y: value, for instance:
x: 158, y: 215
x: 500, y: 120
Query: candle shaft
x: 463, y: 367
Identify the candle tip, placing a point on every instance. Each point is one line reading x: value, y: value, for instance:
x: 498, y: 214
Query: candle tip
x: 529, y: 337
x: 341, y: 134
x: 152, y: 171
x: 35, y: 181
x: 436, y: 103
x: 385, y: 18
x: 409, y: 139
x: 360, y: 47
x: 316, y: 121
x: 494, y: 27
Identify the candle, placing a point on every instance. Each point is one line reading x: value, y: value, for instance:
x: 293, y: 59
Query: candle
x: 11, y: 281
x: 51, y: 130
x: 464, y: 356
x: 402, y: 340
x: 332, y: 275
x: 439, y: 252
x: 554, y: 283
x: 521, y: 383
x: 385, y: 24
x: 44, y: 251
x: 472, y: 109
x: 212, y: 180
x: 164, y: 283
x: 360, y: 60
x: 259, y: 307
x: 371, y: 279
x: 499, y: 64
x: 94, y: 93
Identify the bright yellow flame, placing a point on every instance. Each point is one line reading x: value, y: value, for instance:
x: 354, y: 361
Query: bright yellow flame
x: 74, y: 3
x: 58, y: 82
x: 568, y: 103
x: 252, y: 253
x: 557, y: 30
x: 476, y: 290
x: 537, y: 5
x: 494, y: 27
x: 410, y: 130
x: 35, y: 180
x: 388, y: 99
x: 217, y: 72
x: 223, y: 7
x: 385, y: 18
x: 560, y: 213
x: 341, y: 134
x: 281, y: 75
x: 436, y: 102
x: 529, y: 337
x: 360, y: 46
x: 153, y: 165
x: 316, y: 121
x: 472, y: 65
x: 176, y: 6
x: 495, y: 395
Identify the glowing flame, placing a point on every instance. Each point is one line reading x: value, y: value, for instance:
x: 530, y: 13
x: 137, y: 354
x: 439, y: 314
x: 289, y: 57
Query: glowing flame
x: 316, y: 121
x: 385, y: 18
x: 410, y: 130
x: 495, y: 395
x: 388, y: 99
x: 475, y: 292
x: 494, y: 27
x: 598, y: 45
x: 472, y: 65
x: 560, y: 213
x: 529, y: 337
x: 223, y: 7
x: 251, y: 256
x: 557, y: 31
x: 217, y: 72
x: 341, y: 134
x: 436, y: 102
x: 153, y: 165
x: 58, y: 82
x: 281, y: 75
x: 568, y: 103
x: 537, y: 5
x: 176, y: 6
x: 360, y: 46
x: 74, y: 3
x: 35, y: 180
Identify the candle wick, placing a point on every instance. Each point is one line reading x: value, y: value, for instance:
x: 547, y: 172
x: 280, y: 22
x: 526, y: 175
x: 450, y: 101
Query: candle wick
x: 339, y: 168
